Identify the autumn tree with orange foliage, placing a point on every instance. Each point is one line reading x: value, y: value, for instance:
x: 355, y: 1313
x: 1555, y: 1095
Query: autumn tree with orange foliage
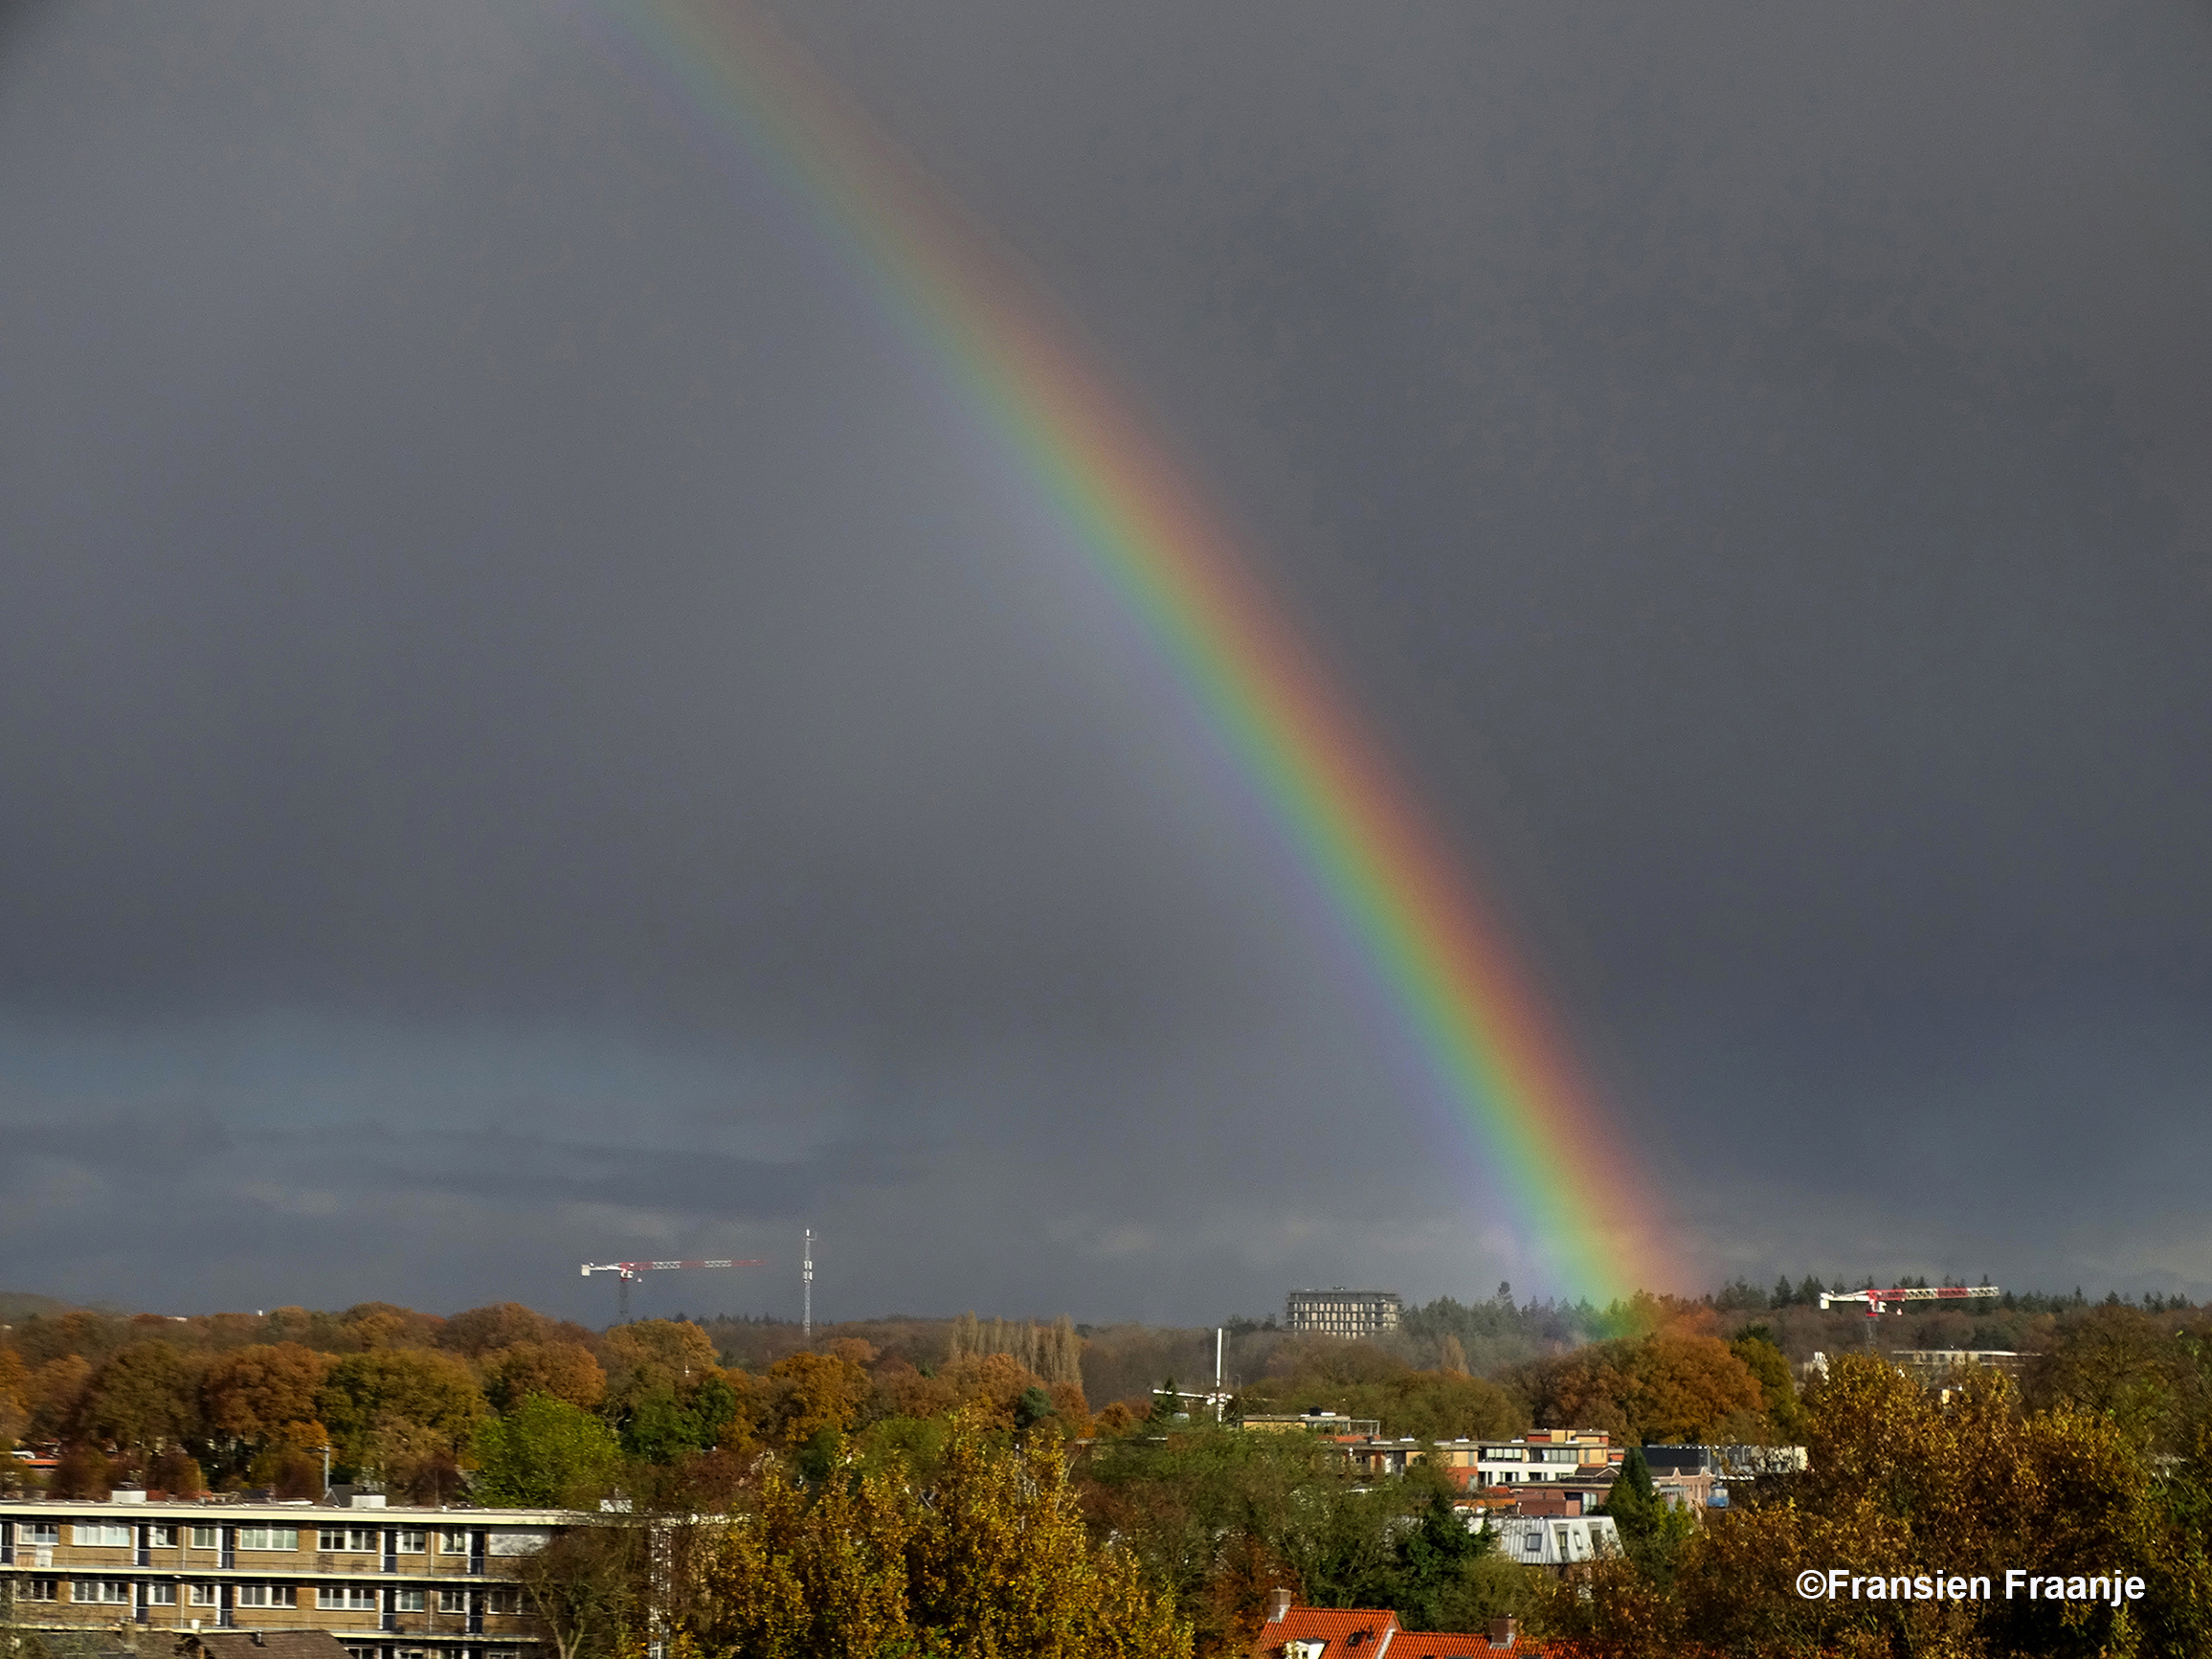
x: 252, y: 1396
x: 1675, y: 1385
x: 811, y: 1394
x: 562, y: 1371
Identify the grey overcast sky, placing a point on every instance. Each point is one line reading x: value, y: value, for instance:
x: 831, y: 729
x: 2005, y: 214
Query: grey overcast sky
x: 527, y: 735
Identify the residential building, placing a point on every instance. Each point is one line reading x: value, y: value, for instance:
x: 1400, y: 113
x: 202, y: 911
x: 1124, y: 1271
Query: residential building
x: 1292, y: 1632
x: 1724, y: 1462
x: 1342, y: 1313
x: 1553, y: 1540
x: 1583, y: 1459
x: 259, y: 1645
x: 1694, y: 1492
x: 1578, y: 1455
x: 1548, y: 1502
x: 1332, y: 1423
x: 385, y: 1582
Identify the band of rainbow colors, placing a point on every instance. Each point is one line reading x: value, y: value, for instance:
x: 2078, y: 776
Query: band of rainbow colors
x: 1036, y: 392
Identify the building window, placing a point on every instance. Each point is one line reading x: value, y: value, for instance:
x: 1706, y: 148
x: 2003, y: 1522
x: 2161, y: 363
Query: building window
x: 161, y: 1537
x: 100, y: 1535
x: 413, y: 1541
x: 265, y: 1596
x: 207, y: 1538
x: 38, y: 1590
x: 517, y: 1544
x: 360, y: 1654
x: 348, y: 1597
x: 203, y: 1595
x: 454, y: 1541
x: 407, y: 1601
x: 268, y: 1538
x: 112, y: 1591
x: 506, y: 1600
x: 453, y: 1600
x: 160, y: 1595
x: 357, y: 1541
x: 42, y: 1534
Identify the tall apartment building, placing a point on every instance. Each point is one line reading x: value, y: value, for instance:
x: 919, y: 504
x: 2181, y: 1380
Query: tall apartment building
x: 1342, y: 1313
x: 390, y: 1584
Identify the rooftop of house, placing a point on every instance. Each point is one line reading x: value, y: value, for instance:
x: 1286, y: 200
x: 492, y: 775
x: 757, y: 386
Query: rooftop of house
x: 1375, y: 1633
x: 1342, y: 1631
x: 259, y: 1645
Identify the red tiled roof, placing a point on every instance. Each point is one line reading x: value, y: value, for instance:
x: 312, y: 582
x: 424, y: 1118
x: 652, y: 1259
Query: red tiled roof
x: 1339, y: 1626
x: 1351, y: 1632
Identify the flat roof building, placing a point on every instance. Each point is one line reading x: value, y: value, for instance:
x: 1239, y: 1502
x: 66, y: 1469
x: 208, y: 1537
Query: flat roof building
x: 385, y: 1582
x: 1342, y: 1313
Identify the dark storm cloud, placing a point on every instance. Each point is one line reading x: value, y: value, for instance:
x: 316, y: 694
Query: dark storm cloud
x: 524, y: 716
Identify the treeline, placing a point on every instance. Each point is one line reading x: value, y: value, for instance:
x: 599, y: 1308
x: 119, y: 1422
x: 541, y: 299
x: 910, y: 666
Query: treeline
x: 498, y: 1401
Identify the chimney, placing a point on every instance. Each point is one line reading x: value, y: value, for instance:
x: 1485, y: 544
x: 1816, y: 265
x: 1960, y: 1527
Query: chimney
x: 1501, y: 1632
x: 1278, y: 1605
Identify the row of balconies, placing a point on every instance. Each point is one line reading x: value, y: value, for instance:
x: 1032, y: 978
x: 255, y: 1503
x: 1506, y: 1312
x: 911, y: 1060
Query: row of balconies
x: 264, y: 1561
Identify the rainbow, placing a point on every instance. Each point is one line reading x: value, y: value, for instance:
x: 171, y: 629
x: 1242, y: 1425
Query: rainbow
x: 1036, y: 395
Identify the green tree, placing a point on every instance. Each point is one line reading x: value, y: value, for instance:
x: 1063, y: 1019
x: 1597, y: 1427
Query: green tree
x: 1221, y: 1518
x: 1652, y: 1529
x: 2125, y: 1366
x: 382, y: 1390
x: 544, y: 1453
x: 660, y: 1429
x: 1033, y: 1408
x: 1434, y: 1582
x: 1771, y: 1370
x: 144, y: 1398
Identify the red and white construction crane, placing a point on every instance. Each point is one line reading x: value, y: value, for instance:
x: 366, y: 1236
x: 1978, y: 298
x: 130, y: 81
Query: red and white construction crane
x: 626, y: 1272
x: 1879, y: 1302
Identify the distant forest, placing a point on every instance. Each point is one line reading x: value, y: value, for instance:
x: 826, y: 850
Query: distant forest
x: 405, y: 1397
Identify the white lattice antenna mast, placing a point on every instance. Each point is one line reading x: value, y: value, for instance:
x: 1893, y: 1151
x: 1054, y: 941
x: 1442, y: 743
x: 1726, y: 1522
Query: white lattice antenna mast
x: 807, y: 1287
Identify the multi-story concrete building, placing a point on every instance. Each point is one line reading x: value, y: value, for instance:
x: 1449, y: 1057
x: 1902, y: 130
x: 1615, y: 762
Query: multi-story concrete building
x: 1342, y: 1313
x: 390, y: 1584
